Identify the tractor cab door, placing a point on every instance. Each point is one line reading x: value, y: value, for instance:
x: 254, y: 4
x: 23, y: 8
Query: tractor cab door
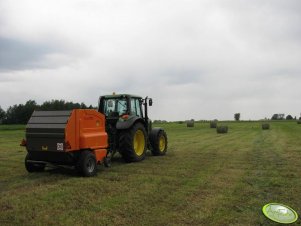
x: 136, y: 107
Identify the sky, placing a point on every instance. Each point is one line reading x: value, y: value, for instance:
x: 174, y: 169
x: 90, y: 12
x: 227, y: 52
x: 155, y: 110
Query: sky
x: 197, y: 59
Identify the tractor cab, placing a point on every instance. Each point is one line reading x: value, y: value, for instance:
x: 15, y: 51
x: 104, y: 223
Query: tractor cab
x: 123, y: 104
x: 129, y: 129
x: 125, y: 108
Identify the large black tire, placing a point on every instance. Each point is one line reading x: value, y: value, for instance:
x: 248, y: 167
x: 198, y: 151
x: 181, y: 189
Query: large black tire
x: 133, y: 143
x: 158, y: 141
x: 33, y: 167
x: 87, y: 164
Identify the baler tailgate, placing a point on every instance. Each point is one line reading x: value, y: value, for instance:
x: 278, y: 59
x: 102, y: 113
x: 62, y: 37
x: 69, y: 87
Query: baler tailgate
x: 45, y: 130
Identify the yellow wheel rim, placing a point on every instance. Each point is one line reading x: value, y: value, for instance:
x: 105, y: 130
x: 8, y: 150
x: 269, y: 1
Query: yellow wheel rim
x: 162, y: 143
x: 139, y: 142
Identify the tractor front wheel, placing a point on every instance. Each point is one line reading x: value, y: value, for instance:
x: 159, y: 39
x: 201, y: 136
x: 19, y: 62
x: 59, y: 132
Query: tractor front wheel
x: 132, y: 143
x: 158, y: 141
x: 87, y: 164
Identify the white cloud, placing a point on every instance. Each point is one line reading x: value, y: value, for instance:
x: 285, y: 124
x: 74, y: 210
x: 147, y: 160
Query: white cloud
x: 197, y: 59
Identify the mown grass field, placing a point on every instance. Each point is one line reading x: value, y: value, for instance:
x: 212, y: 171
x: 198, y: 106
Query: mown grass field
x: 205, y: 179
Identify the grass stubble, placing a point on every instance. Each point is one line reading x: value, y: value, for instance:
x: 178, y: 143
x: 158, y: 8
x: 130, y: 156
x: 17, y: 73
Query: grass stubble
x: 205, y: 179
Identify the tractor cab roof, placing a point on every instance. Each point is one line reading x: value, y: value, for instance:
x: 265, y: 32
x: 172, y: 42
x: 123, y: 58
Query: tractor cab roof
x: 118, y: 96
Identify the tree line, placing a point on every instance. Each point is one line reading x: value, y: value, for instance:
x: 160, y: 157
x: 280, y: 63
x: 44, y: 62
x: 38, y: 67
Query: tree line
x: 20, y: 113
x: 274, y: 117
x: 282, y: 117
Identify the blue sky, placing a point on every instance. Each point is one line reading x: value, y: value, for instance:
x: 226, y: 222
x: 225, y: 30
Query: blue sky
x: 201, y: 59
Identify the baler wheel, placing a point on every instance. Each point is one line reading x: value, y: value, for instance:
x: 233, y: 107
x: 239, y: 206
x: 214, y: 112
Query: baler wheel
x: 132, y: 143
x: 87, y: 165
x: 33, y: 167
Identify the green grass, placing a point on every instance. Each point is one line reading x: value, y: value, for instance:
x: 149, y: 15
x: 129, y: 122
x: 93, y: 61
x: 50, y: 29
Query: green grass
x: 12, y: 127
x: 205, y: 179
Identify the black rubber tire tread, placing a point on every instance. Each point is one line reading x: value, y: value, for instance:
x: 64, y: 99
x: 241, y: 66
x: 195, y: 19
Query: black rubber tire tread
x: 33, y: 167
x: 81, y: 166
x: 154, y: 141
x: 126, y: 143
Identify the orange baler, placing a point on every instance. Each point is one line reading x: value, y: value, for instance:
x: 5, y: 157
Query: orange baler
x: 77, y: 137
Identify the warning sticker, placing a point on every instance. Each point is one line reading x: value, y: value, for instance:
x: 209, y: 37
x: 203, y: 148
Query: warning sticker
x: 60, y: 146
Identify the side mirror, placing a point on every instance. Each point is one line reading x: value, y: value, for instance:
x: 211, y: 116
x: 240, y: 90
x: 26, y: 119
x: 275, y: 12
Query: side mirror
x: 150, y: 102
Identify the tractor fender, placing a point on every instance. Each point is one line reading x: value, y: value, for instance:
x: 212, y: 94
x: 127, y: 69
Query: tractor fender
x: 120, y: 125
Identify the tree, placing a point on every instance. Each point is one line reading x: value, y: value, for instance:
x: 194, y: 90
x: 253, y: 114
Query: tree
x: 289, y: 117
x: 281, y: 116
x: 61, y: 105
x: 2, y: 115
x: 237, y: 116
x: 20, y: 114
x: 277, y: 117
x: 29, y: 107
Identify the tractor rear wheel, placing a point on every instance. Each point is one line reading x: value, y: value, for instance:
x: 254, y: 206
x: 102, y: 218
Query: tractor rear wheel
x: 158, y: 141
x: 32, y: 166
x: 87, y: 164
x: 132, y: 143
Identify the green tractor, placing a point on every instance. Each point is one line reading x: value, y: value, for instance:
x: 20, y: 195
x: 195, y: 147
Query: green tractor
x: 129, y: 129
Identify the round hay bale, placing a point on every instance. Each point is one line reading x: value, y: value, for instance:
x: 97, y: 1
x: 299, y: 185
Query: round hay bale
x: 190, y: 124
x: 265, y: 126
x: 213, y: 124
x: 299, y: 121
x: 222, y: 129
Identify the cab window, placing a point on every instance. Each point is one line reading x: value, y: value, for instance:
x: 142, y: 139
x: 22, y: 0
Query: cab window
x: 135, y: 108
x: 138, y: 107
x: 115, y: 105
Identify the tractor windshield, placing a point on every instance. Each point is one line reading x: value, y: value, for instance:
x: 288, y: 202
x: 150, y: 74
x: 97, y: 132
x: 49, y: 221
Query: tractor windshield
x: 115, y: 105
